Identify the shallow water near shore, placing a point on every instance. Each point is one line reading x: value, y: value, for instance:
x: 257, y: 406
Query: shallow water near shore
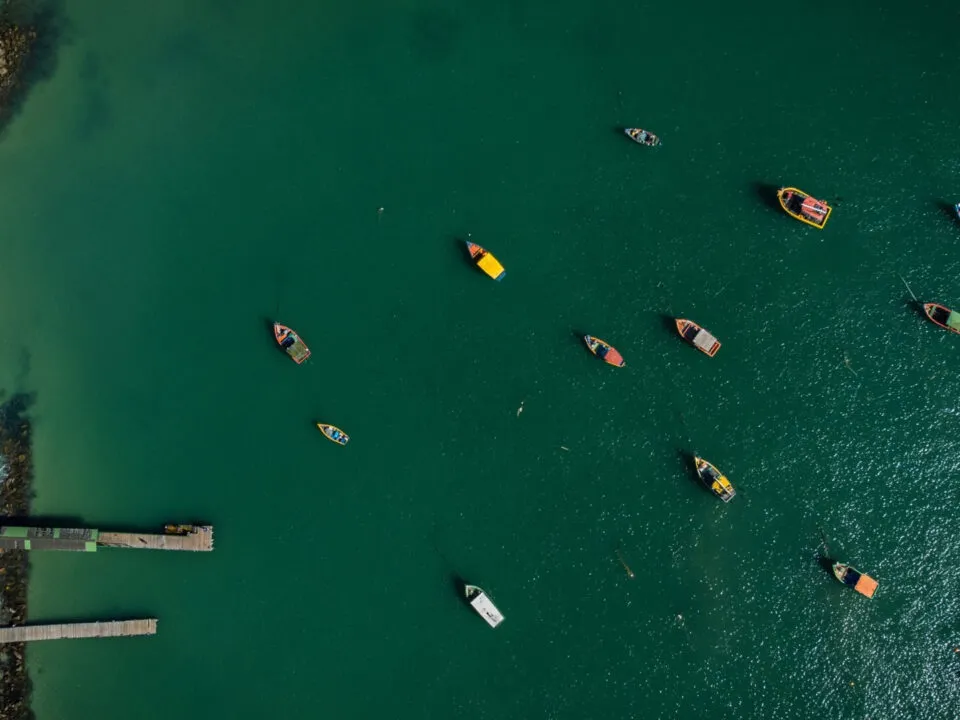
x: 193, y: 170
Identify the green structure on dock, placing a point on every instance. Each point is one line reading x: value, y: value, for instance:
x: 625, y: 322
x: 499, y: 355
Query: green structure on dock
x: 34, y: 538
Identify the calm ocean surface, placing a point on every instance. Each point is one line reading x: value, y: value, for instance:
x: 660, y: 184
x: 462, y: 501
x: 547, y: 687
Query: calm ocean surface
x: 194, y: 169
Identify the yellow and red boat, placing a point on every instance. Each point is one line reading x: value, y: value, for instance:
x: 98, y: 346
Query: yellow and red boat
x: 333, y: 433
x: 697, y: 336
x: 715, y: 480
x: 604, y: 350
x: 851, y: 577
x: 805, y: 208
x: 943, y: 316
x: 485, y: 260
x: 291, y: 343
x: 644, y: 137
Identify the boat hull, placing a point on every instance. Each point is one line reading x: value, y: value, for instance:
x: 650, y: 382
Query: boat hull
x: 485, y: 260
x: 291, y: 343
x: 713, y: 479
x: 803, y: 207
x: 642, y: 137
x: 333, y: 434
x: 604, y: 350
x: 701, y: 339
x: 851, y: 577
x: 483, y: 605
x: 943, y: 316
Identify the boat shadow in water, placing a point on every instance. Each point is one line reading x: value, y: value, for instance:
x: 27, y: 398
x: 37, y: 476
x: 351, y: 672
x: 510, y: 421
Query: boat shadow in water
x: 947, y: 209
x: 459, y: 587
x: 825, y: 563
x: 669, y: 323
x: 767, y: 194
x: 685, y: 458
x: 268, y: 328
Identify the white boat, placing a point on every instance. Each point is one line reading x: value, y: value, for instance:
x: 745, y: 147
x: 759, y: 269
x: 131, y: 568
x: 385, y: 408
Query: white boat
x: 483, y: 605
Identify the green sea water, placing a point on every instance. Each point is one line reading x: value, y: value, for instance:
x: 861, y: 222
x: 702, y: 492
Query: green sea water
x: 192, y: 170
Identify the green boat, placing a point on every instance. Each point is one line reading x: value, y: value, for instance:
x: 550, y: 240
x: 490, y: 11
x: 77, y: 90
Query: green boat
x: 943, y: 316
x: 291, y: 343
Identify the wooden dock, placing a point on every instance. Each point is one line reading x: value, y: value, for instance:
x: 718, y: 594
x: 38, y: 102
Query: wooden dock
x: 199, y: 540
x: 73, y: 631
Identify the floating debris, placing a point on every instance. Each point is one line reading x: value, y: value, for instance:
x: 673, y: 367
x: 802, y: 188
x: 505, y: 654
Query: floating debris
x: 624, y: 563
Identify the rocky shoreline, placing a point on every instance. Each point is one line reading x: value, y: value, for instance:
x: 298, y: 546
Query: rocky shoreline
x: 16, y: 42
x: 16, y: 475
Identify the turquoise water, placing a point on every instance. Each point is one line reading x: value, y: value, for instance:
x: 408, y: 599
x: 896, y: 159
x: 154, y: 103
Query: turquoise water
x: 192, y: 170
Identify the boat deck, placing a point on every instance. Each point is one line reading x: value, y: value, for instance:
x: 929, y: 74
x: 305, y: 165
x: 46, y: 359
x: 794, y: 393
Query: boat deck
x: 705, y: 341
x: 298, y: 351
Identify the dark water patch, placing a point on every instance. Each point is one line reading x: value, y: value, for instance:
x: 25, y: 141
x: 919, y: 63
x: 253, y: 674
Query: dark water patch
x: 434, y: 34
x: 95, y: 114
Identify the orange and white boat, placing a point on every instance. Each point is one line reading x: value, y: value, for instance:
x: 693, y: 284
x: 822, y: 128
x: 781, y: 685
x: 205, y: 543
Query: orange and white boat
x: 851, y: 577
x: 291, y: 343
x: 701, y: 339
x: 604, y: 350
x: 805, y: 208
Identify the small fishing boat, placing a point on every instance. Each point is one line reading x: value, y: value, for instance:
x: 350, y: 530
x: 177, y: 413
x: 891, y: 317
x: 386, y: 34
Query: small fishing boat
x: 485, y: 260
x: 943, y: 316
x: 863, y: 584
x: 483, y: 605
x: 715, y: 480
x: 291, y: 343
x: 604, y: 350
x: 803, y: 207
x: 644, y: 137
x: 697, y: 336
x: 956, y: 210
x: 334, y: 434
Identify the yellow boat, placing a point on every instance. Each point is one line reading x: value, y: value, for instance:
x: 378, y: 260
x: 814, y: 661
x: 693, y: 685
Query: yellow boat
x: 805, y: 208
x: 333, y: 433
x: 714, y: 479
x: 485, y: 261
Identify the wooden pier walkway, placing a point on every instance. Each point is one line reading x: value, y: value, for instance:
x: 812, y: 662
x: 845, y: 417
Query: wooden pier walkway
x: 72, y: 631
x: 199, y: 540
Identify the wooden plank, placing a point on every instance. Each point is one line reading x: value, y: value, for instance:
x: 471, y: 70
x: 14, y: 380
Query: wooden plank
x: 73, y: 631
